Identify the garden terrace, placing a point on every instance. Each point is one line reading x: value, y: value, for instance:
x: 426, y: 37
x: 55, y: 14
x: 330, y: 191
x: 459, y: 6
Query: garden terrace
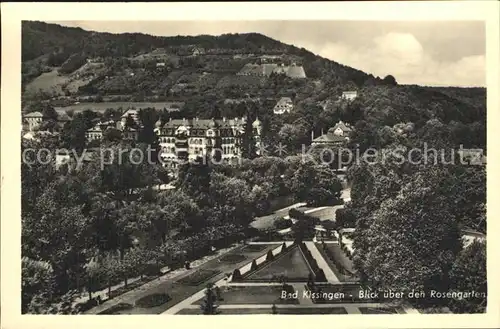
x: 290, y: 264
x: 340, y: 264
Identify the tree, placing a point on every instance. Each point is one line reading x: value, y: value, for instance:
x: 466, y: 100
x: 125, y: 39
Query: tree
x: 37, y: 281
x: 208, y: 305
x: 248, y: 149
x: 194, y: 180
x: 111, y: 135
x: 390, y: 81
x: 412, y: 240
x: 73, y: 133
x: 57, y: 232
x: 177, y: 209
x: 274, y: 309
x: 130, y: 122
x: 468, y: 273
x: 345, y: 217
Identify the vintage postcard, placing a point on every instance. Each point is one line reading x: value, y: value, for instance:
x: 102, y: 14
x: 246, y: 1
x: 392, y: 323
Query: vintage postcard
x: 249, y: 159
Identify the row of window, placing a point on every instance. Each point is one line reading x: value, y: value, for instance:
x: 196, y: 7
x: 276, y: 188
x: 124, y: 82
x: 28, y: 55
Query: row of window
x: 199, y: 150
x: 198, y: 141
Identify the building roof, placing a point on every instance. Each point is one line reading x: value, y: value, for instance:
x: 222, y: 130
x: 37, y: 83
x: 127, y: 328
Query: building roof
x: 34, y: 115
x: 129, y: 112
x: 349, y: 92
x: 198, y: 127
x: 341, y: 125
x: 329, y: 138
x: 284, y: 101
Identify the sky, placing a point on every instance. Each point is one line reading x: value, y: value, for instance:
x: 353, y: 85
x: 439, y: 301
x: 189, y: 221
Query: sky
x: 430, y: 53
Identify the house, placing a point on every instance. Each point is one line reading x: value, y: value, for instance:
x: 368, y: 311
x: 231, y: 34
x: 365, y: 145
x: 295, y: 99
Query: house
x: 469, y: 236
x: 34, y: 119
x: 132, y: 113
x: 266, y: 69
x: 96, y: 132
x: 349, y: 95
x: 162, y: 64
x: 337, y: 135
x: 188, y: 139
x: 198, y: 51
x: 130, y: 133
x: 284, y: 105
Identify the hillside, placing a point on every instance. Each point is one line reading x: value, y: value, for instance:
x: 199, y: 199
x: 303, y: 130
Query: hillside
x: 57, y: 50
x: 68, y: 66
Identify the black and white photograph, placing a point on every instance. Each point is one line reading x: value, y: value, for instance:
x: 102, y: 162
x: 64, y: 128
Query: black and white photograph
x: 252, y: 167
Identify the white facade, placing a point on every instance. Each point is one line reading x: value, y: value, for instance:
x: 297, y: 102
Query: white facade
x: 284, y: 105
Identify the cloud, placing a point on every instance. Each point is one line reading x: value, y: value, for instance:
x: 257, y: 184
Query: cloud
x: 403, y: 56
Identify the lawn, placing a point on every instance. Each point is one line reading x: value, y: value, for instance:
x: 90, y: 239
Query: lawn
x: 233, y: 258
x: 339, y: 259
x: 292, y: 265
x: 152, y: 300
x: 280, y: 310
x: 252, y: 295
x: 197, y: 277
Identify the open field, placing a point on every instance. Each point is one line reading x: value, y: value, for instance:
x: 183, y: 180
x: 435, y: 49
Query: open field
x: 49, y: 82
x: 101, y: 107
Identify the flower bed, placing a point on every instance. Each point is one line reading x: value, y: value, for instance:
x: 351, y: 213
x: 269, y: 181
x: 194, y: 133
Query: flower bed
x: 338, y: 261
x: 319, y: 275
x: 198, y: 277
x: 152, y: 300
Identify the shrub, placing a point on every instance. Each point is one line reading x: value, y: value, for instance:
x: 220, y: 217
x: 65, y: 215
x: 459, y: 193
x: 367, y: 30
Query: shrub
x: 254, y: 265
x: 314, y: 263
x: 320, y: 276
x: 237, y: 275
x: 269, y: 256
x: 282, y: 223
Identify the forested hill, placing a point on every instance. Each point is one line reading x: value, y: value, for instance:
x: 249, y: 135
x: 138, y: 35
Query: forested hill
x: 47, y: 46
x: 65, y: 65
